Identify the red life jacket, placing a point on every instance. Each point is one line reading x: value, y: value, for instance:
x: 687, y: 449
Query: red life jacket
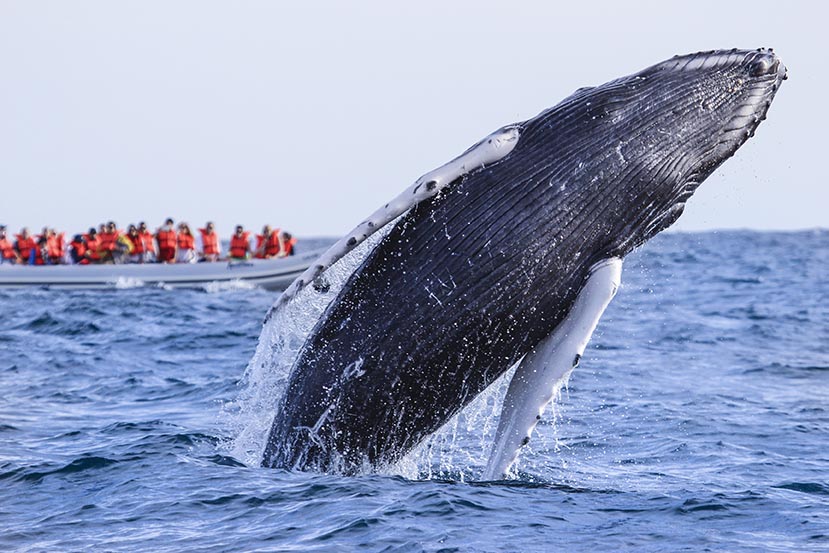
x: 186, y: 241
x: 289, y: 246
x: 271, y: 243
x: 39, y: 252
x: 6, y: 249
x: 107, y: 241
x: 209, y: 242
x: 92, y: 247
x: 137, y: 242
x: 166, y: 239
x: 54, y: 247
x: 25, y: 246
x: 80, y: 251
x: 259, y: 254
x: 239, y: 245
x: 148, y: 238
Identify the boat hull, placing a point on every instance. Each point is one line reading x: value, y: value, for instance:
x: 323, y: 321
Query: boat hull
x: 271, y: 274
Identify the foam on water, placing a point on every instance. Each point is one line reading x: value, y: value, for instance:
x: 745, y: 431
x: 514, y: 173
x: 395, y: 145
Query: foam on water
x: 125, y: 283
x: 227, y: 286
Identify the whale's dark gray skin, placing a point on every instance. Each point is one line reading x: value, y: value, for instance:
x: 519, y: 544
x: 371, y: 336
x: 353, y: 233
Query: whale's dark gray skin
x: 469, y: 281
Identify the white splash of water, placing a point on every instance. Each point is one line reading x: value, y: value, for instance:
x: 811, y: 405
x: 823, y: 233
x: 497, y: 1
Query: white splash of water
x: 227, y: 286
x: 125, y: 283
x: 460, y: 449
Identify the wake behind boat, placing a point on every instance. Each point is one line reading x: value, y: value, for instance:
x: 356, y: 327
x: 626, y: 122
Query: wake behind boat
x: 271, y: 274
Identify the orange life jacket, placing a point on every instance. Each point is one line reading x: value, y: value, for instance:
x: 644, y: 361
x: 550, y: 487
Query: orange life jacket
x: 166, y: 239
x: 25, y: 247
x: 239, y: 245
x: 259, y: 254
x: 6, y: 249
x: 54, y: 247
x: 137, y: 242
x: 271, y: 243
x: 186, y: 241
x: 92, y: 247
x: 107, y: 241
x: 209, y: 242
x: 80, y: 251
x: 61, y: 244
x: 148, y: 238
x: 289, y: 246
x: 39, y: 252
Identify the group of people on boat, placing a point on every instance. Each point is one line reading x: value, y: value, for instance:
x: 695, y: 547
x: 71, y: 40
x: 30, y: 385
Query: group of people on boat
x: 168, y: 244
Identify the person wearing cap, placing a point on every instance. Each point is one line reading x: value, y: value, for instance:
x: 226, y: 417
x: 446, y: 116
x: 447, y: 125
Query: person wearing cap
x: 93, y: 246
x: 78, y: 250
x: 7, y: 254
x: 240, y: 244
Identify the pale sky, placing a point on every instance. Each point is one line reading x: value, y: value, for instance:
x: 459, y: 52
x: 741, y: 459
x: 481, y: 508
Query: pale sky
x: 310, y: 115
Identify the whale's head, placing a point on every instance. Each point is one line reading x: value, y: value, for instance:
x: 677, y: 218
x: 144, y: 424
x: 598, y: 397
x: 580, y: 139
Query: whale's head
x: 665, y: 129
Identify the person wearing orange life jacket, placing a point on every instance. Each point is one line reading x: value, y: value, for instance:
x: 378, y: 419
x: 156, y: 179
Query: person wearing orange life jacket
x: 108, y: 242
x: 25, y: 246
x: 186, y: 245
x: 60, y: 246
x: 166, y: 237
x: 54, y: 247
x: 287, y: 242
x: 40, y: 251
x: 240, y: 244
x: 267, y: 243
x: 149, y: 242
x: 210, y: 247
x: 137, y: 242
x: 93, y: 244
x: 78, y: 250
x: 7, y: 253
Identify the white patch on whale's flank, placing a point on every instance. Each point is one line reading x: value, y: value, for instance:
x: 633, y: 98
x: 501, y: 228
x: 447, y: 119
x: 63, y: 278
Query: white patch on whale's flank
x: 542, y: 371
x: 494, y: 147
x: 354, y: 369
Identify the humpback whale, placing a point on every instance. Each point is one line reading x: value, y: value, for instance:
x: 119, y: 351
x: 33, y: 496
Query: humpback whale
x: 506, y: 255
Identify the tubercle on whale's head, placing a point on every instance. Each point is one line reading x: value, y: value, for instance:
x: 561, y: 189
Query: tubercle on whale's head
x: 679, y: 120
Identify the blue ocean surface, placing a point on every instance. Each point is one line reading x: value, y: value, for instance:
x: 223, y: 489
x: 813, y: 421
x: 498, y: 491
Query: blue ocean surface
x: 698, y: 420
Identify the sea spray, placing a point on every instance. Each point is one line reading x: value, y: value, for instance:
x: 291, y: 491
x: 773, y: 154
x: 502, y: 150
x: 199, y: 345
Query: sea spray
x: 443, y: 456
x: 249, y: 416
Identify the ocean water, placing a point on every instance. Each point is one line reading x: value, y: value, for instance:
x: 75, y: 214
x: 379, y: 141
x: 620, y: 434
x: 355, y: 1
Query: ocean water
x: 697, y: 420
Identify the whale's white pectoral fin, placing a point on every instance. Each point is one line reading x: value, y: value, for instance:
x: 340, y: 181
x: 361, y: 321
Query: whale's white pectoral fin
x: 541, y: 372
x: 489, y: 150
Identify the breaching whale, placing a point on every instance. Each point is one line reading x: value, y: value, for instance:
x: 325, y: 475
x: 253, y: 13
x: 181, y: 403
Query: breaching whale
x: 508, y: 254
